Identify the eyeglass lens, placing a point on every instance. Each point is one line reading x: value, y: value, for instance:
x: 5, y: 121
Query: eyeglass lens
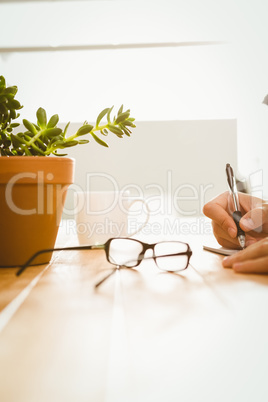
x: 127, y: 252
x: 165, y: 258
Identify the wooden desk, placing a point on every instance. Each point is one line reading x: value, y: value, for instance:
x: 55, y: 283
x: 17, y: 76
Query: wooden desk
x: 200, y: 335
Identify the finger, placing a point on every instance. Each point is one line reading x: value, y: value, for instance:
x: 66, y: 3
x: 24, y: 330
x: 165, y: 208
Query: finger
x: 219, y: 214
x: 256, y: 266
x: 223, y: 238
x: 227, y: 244
x: 254, y: 251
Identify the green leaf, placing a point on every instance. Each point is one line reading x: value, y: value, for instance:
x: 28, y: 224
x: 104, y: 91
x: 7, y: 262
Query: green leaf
x: 28, y: 135
x: 12, y: 114
x: 83, y: 141
x: 9, y: 96
x: 3, y: 109
x: 115, y: 130
x: 120, y: 110
x: 52, y: 132
x: 84, y: 129
x: 56, y: 154
x: 29, y: 126
x: 3, y: 99
x: 126, y: 131
x: 129, y: 123
x: 41, y: 117
x: 2, y: 82
x: 70, y: 143
x: 37, y: 127
x: 14, y: 125
x: 14, y: 104
x: 101, y: 115
x: 53, y: 121
x: 109, y: 114
x: 57, y: 142
x: 11, y: 91
x: 122, y: 117
x: 16, y: 141
x: 65, y: 129
x: 99, y: 141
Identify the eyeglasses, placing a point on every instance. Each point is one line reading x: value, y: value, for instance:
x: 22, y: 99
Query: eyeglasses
x: 169, y: 256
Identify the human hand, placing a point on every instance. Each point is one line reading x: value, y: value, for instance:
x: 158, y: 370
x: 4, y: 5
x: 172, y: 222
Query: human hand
x: 254, y: 221
x: 253, y: 259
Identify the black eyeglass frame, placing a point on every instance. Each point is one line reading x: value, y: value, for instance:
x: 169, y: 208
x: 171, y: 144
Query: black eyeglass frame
x: 106, y: 247
x: 150, y: 246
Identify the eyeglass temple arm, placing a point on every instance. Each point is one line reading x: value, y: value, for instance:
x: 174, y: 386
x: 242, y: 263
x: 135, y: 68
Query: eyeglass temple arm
x: 106, y: 277
x: 50, y: 250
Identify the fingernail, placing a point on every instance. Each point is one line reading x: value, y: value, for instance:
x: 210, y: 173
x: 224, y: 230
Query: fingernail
x: 248, y: 223
x: 232, y: 232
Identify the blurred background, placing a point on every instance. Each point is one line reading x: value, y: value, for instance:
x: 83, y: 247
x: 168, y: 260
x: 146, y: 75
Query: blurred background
x: 166, y: 60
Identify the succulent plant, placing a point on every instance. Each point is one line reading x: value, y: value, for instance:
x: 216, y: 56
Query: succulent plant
x: 44, y: 137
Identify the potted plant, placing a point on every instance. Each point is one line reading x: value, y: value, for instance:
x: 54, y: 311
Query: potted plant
x: 34, y: 175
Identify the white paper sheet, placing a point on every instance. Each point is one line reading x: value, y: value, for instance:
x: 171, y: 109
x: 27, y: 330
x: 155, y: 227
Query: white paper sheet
x: 220, y: 250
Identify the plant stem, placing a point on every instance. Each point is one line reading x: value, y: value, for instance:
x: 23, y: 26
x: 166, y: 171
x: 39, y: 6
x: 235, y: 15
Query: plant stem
x: 74, y: 136
x: 34, y: 146
x: 94, y: 129
x: 33, y: 139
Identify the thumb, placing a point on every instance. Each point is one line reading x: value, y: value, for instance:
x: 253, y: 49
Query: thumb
x: 253, y: 219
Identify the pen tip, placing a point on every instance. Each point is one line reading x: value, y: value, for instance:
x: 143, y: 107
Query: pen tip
x: 242, y: 241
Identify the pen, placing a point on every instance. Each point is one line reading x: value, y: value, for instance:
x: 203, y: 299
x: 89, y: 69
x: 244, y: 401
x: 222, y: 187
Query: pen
x: 237, y: 213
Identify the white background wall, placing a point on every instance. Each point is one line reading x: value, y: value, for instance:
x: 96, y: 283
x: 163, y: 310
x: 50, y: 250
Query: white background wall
x: 193, y: 82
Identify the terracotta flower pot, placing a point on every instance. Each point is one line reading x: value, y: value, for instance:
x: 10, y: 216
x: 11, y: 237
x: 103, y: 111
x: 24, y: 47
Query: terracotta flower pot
x: 32, y: 195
